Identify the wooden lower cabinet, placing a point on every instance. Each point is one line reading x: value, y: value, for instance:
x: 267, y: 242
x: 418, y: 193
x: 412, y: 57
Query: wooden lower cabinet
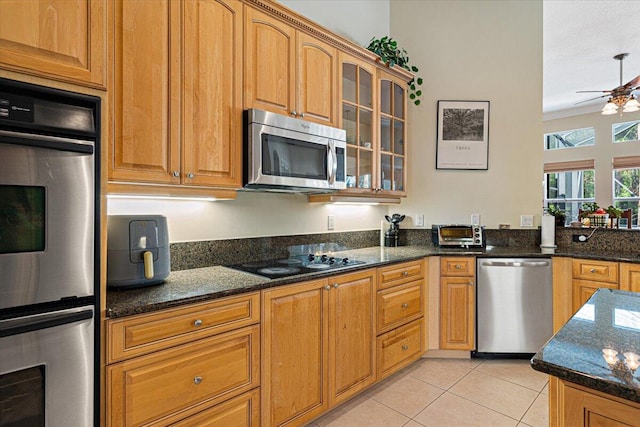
x: 318, y: 346
x: 169, y: 385
x: 574, y: 405
x: 457, y: 313
x: 457, y: 303
x: 241, y: 411
x: 630, y: 277
x: 399, y: 347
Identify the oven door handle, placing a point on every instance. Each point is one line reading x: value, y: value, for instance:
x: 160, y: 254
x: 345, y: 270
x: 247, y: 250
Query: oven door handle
x: 48, y: 141
x: 38, y: 322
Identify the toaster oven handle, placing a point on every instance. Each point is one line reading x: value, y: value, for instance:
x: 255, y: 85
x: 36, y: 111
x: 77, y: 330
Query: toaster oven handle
x: 332, y: 164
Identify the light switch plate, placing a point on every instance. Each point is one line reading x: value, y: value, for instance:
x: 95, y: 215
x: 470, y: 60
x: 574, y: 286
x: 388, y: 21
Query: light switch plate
x: 526, y: 220
x: 331, y: 222
x: 475, y: 219
x: 420, y: 220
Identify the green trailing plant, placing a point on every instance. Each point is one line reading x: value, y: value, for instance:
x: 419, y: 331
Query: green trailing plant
x: 389, y: 52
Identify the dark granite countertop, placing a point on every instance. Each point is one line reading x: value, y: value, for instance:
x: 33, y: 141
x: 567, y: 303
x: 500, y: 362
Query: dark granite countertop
x: 609, y: 320
x: 201, y: 284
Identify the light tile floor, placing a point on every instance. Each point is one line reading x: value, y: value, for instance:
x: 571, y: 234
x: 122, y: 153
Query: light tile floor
x: 450, y: 392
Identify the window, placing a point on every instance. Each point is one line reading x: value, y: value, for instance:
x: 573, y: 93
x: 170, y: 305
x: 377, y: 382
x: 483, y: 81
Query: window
x: 626, y: 186
x: 569, y: 139
x: 625, y: 132
x: 568, y: 185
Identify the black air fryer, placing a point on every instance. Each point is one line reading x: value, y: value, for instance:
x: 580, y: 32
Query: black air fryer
x: 137, y: 250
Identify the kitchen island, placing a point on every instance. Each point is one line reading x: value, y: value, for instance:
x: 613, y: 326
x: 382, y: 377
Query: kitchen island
x: 594, y: 360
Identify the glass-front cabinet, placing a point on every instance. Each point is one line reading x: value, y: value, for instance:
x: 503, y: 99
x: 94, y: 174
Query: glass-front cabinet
x: 392, y: 121
x: 358, y: 99
x: 373, y: 112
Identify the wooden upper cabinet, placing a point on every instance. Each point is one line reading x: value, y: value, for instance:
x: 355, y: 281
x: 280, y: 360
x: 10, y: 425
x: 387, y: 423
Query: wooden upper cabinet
x: 212, y: 93
x: 176, y: 93
x: 317, y: 76
x: 60, y: 40
x: 287, y: 71
x: 392, y: 135
x: 270, y: 59
x: 144, y: 92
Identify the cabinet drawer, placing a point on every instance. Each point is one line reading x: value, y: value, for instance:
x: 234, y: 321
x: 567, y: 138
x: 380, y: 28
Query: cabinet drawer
x: 399, y: 347
x: 143, y: 334
x: 400, y: 273
x: 602, y: 271
x: 457, y: 266
x: 183, y: 380
x: 399, y: 305
x: 241, y: 411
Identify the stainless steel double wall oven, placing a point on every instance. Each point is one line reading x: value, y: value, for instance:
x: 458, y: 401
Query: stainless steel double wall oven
x: 49, y: 256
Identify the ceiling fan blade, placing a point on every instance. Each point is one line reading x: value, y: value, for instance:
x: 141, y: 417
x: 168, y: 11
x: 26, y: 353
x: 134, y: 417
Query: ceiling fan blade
x: 633, y: 83
x: 591, y: 99
x: 595, y: 91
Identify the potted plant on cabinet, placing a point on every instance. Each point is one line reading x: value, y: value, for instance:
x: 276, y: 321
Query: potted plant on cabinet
x: 389, y: 52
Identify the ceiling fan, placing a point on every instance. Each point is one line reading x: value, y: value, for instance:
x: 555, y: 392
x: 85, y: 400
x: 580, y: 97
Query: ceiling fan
x: 621, y: 96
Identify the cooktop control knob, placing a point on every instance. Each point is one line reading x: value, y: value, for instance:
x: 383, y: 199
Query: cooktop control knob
x: 324, y: 258
x: 332, y: 260
x: 345, y: 261
x: 311, y: 257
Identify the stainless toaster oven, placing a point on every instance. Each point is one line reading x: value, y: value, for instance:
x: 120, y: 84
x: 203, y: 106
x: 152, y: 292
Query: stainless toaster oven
x: 458, y: 235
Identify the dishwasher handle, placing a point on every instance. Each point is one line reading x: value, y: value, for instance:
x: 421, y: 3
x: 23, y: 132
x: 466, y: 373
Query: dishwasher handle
x: 515, y: 263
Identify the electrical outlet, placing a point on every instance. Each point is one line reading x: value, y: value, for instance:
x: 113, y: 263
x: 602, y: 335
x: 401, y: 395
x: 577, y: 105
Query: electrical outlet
x: 526, y: 220
x: 475, y: 219
x: 331, y: 222
x: 420, y: 220
x: 578, y: 238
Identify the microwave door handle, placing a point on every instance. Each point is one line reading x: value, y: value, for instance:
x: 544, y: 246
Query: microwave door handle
x: 333, y: 162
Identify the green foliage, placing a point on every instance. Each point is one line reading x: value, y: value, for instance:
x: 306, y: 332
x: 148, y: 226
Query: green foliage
x: 613, y: 211
x: 387, y: 49
x: 555, y: 211
x: 588, y: 208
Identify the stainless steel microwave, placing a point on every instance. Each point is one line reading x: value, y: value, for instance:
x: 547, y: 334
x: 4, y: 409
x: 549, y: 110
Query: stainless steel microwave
x: 291, y: 155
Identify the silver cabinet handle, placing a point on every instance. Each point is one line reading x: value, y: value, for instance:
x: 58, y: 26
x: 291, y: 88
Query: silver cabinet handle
x: 197, y: 323
x: 197, y: 380
x: 190, y: 175
x: 458, y: 267
x: 176, y: 174
x: 294, y: 113
x: 327, y: 287
x: 593, y: 270
x: 335, y: 285
x: 405, y: 273
x: 405, y: 305
x: 301, y: 114
x: 470, y: 283
x: 405, y: 347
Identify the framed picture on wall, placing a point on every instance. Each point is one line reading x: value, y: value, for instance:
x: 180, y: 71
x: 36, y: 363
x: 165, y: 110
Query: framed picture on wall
x: 463, y: 135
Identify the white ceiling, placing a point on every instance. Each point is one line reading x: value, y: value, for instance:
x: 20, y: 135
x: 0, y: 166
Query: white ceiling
x: 580, y: 39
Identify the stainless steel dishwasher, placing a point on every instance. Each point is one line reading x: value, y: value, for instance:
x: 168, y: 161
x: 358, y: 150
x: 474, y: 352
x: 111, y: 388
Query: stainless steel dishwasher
x: 514, y: 306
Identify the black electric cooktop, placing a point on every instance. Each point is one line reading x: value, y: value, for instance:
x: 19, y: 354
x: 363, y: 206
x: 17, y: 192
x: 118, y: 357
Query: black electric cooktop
x: 276, y: 269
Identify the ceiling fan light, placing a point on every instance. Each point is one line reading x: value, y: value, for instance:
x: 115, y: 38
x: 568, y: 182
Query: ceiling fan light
x: 631, y: 106
x: 609, y: 108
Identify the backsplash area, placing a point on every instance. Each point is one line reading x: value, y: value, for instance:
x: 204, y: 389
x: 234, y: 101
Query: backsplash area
x: 188, y: 255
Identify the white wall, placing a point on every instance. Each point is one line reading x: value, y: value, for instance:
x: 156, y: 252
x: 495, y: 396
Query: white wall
x: 603, y: 151
x: 356, y: 20
x: 476, y: 50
